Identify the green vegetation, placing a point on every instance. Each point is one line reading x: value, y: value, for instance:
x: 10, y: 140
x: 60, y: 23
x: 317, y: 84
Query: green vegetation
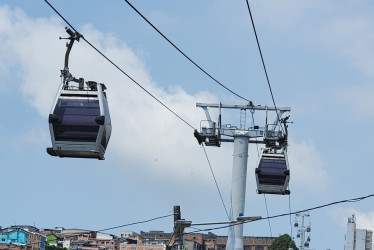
x: 54, y: 248
x: 283, y: 242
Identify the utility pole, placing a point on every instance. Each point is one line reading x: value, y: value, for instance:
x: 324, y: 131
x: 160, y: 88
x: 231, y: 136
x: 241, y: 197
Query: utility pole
x: 179, y: 226
x: 212, y: 134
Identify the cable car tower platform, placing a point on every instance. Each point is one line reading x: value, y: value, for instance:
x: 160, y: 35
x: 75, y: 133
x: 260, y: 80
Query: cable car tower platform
x: 273, y: 135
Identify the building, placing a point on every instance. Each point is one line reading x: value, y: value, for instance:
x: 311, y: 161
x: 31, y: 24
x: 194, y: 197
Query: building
x: 211, y: 241
x: 80, y: 239
x: 37, y: 241
x: 357, y: 239
x: 15, y: 236
x: 23, y: 236
x: 155, y: 240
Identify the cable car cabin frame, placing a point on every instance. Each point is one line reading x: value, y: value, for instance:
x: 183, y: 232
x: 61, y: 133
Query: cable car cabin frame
x: 272, y: 173
x: 79, y: 122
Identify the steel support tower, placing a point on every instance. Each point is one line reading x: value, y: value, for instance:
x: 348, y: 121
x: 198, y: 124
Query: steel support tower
x: 212, y: 134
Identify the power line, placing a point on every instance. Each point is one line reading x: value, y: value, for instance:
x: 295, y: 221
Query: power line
x: 287, y: 214
x: 120, y: 69
x: 132, y: 79
x: 263, y: 62
x: 135, y: 223
x: 289, y: 207
x: 149, y: 93
x: 184, y: 54
x: 215, y: 180
x: 267, y: 213
x: 258, y: 156
x: 125, y: 225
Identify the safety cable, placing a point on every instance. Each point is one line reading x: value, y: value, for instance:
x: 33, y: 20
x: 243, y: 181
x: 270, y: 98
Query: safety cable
x: 287, y: 214
x: 155, y: 98
x: 132, y: 79
x: 215, y: 180
x: 258, y: 157
x: 184, y: 54
x: 267, y: 213
x: 120, y: 69
x: 135, y: 223
x: 263, y: 64
x: 125, y: 225
x: 289, y: 207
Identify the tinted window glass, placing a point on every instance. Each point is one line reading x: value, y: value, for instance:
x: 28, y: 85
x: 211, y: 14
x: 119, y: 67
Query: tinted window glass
x: 272, y: 171
x: 76, y: 120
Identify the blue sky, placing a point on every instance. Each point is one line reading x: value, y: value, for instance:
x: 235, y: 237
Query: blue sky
x: 319, y: 56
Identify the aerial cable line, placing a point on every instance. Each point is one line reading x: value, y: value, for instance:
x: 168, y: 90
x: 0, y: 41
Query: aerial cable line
x: 287, y: 214
x: 215, y: 180
x: 184, y: 54
x: 272, y: 97
x: 135, y: 223
x: 263, y: 63
x: 258, y: 156
x: 289, y: 207
x: 267, y: 213
x: 132, y: 79
x: 120, y: 69
x: 125, y: 225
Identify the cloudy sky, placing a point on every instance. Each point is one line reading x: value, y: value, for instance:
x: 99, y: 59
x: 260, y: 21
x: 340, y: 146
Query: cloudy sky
x: 319, y: 56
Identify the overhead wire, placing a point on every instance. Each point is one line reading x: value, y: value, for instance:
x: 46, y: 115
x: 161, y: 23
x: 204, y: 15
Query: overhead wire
x: 115, y: 227
x: 263, y: 63
x: 267, y: 213
x: 144, y: 89
x: 215, y: 181
x: 258, y: 157
x: 272, y: 96
x: 135, y: 223
x: 358, y: 199
x: 184, y: 54
x: 121, y: 70
x: 289, y: 209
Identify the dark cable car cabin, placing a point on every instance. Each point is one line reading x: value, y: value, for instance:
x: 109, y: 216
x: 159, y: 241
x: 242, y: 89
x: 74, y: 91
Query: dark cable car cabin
x: 272, y: 173
x: 79, y: 122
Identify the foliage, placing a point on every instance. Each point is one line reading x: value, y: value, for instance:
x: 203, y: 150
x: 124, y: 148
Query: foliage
x: 283, y: 242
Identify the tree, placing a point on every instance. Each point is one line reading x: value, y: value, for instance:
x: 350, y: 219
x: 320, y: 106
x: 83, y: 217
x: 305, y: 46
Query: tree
x: 283, y: 242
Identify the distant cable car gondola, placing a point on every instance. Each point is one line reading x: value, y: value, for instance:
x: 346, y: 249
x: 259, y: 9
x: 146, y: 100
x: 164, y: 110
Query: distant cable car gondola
x: 79, y: 120
x: 272, y: 173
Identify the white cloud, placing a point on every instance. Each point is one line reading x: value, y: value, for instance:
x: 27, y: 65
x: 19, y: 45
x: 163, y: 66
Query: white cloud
x: 307, y: 168
x: 144, y: 132
x: 349, y: 36
x: 364, y: 220
x: 357, y: 100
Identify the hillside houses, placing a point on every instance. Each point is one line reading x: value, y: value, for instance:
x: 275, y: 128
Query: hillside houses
x: 31, y: 238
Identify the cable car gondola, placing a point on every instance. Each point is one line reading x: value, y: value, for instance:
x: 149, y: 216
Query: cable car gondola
x: 79, y: 120
x: 272, y: 172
